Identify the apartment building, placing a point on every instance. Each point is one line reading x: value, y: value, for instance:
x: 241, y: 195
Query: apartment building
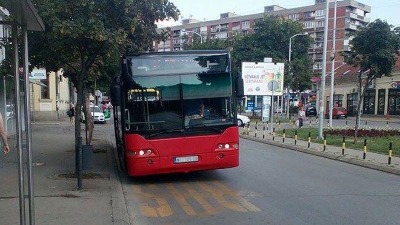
x: 350, y: 16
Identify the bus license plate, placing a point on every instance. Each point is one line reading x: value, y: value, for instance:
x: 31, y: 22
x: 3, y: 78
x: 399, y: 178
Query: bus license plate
x: 186, y: 159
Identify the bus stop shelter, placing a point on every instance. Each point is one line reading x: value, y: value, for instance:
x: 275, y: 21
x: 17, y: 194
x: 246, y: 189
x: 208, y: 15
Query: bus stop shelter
x: 23, y: 17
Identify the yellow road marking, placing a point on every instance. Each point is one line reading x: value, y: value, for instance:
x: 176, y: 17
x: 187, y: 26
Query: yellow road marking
x: 181, y: 200
x: 219, y: 196
x: 246, y: 204
x: 196, y: 195
x: 163, y: 210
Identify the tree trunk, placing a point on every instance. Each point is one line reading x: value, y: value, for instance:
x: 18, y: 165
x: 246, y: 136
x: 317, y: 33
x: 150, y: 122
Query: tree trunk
x: 360, y: 93
x: 89, y: 121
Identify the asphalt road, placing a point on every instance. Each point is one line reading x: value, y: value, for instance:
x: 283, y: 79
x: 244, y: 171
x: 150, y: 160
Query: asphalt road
x: 271, y: 186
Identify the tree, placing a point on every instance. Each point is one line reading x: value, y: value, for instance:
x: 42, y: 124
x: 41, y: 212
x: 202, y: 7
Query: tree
x: 271, y: 39
x: 373, y: 51
x: 85, y: 37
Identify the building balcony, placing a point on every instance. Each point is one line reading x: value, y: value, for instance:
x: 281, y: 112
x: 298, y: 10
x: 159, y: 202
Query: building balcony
x: 357, y: 17
x: 351, y: 26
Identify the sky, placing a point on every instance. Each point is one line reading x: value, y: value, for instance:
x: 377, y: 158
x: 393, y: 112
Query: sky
x: 205, y: 10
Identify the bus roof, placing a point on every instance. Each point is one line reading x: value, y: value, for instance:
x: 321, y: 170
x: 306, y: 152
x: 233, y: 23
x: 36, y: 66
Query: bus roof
x: 185, y: 52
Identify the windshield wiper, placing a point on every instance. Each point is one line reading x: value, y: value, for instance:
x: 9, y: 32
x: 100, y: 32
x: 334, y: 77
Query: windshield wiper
x: 167, y: 131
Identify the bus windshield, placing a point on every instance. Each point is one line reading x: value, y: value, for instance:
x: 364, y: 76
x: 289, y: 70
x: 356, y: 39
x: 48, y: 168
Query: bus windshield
x: 174, y: 104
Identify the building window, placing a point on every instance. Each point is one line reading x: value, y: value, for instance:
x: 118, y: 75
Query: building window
x: 320, y: 23
x: 246, y: 24
x: 308, y: 15
x: 369, y: 101
x: 381, y: 101
x: 338, y: 100
x: 45, y: 92
x: 394, y: 101
x: 294, y: 17
x: 309, y: 24
x: 352, y: 104
x: 320, y: 13
x: 317, y: 65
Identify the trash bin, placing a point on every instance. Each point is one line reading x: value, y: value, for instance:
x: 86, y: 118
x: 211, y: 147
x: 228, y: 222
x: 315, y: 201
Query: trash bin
x: 87, y: 157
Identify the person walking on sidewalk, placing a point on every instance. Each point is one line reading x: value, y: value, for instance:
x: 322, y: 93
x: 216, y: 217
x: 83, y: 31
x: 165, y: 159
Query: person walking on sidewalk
x: 72, y: 113
x: 3, y: 135
x: 301, y: 117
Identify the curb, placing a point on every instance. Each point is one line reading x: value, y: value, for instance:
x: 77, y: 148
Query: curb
x: 312, y: 151
x: 120, y: 213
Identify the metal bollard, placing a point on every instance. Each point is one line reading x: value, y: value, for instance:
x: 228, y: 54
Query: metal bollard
x: 309, y: 139
x: 284, y: 134
x: 295, y: 137
x: 264, y: 132
x: 255, y: 131
x: 310, y: 123
x: 273, y: 134
x: 343, y: 144
x: 324, y: 142
x: 390, y: 153
x: 365, y: 149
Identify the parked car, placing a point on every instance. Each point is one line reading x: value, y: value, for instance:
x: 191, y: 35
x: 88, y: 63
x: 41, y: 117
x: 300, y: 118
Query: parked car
x: 311, y: 111
x: 337, y: 113
x: 242, y: 120
x: 97, y: 113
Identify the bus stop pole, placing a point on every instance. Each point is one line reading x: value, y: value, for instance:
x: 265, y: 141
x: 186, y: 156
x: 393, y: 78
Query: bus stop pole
x: 18, y: 127
x: 28, y: 130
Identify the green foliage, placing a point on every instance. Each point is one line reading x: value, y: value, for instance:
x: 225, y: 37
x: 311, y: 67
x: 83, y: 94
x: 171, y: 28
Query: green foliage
x: 271, y: 39
x: 83, y: 35
x: 373, y: 49
x: 86, y: 38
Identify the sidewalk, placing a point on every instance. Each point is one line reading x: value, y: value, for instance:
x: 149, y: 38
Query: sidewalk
x: 372, y: 160
x: 57, y: 200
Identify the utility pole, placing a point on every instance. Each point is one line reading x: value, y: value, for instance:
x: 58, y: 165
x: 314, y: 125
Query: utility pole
x: 322, y: 94
x: 332, y: 66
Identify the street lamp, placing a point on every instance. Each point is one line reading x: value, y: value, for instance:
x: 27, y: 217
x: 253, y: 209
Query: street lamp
x: 290, y: 57
x: 194, y: 32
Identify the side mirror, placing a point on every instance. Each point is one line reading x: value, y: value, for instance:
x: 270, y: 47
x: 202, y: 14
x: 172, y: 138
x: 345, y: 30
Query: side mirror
x: 115, y: 92
x: 239, y: 87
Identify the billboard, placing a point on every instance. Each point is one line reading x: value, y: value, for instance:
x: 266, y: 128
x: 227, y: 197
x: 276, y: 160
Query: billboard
x: 257, y: 75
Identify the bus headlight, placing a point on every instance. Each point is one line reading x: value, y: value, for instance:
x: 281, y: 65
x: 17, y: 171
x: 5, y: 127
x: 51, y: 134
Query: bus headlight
x: 141, y: 152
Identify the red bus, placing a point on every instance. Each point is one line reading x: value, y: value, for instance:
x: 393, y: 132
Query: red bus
x: 176, y: 112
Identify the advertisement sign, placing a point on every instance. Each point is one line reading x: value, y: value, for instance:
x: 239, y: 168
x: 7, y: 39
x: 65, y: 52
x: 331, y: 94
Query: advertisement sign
x: 256, y: 77
x: 38, y: 74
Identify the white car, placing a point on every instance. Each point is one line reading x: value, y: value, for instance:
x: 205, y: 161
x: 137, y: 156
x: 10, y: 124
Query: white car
x: 97, y: 113
x: 242, y: 120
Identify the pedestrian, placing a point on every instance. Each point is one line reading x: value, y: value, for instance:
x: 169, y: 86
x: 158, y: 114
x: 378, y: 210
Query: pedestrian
x: 301, y: 117
x: 71, y: 113
x: 3, y: 135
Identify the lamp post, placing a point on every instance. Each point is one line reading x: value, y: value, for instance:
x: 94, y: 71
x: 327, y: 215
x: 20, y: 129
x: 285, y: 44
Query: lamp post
x: 194, y: 32
x: 332, y: 66
x: 322, y: 92
x: 290, y: 56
